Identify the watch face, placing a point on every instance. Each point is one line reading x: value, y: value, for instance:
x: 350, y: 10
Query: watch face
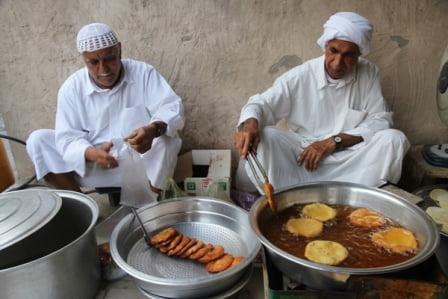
x: 337, y: 139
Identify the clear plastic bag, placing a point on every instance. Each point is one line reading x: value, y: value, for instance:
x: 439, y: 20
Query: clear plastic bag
x: 217, y: 190
x: 135, y: 189
x: 172, y: 190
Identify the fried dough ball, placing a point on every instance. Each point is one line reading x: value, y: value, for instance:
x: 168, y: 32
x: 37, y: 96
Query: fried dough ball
x: 220, y: 264
x: 398, y: 240
x: 366, y: 218
x: 215, y: 253
x: 305, y: 227
x: 164, y: 235
x: 319, y: 211
x: 325, y: 252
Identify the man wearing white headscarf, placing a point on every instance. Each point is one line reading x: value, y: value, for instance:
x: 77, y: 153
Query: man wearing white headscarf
x: 339, y: 123
x: 109, y: 101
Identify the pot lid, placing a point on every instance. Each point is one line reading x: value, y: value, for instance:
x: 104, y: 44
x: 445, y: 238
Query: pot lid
x: 24, y: 212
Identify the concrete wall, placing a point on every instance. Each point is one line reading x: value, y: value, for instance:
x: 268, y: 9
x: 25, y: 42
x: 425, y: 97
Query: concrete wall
x: 216, y: 54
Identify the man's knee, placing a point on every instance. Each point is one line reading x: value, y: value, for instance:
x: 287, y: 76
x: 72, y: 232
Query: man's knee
x: 271, y: 135
x: 393, y: 137
x: 39, y: 137
x: 170, y: 144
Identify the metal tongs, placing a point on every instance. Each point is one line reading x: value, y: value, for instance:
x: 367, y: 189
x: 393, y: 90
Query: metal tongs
x: 264, y: 182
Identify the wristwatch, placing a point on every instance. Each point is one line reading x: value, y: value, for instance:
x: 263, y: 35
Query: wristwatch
x: 338, y: 140
x: 160, y: 130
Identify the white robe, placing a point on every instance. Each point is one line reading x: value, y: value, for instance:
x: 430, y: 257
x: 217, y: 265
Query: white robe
x: 315, y: 109
x: 89, y: 116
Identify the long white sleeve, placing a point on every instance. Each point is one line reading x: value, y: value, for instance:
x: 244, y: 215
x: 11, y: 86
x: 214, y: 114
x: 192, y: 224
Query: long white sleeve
x: 163, y: 103
x: 71, y: 139
x: 270, y: 106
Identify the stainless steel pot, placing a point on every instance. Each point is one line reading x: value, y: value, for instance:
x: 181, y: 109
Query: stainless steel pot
x: 57, y: 261
x: 321, y: 276
x: 210, y: 220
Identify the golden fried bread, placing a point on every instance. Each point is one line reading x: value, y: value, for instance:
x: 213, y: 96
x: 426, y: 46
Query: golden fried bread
x: 319, y: 211
x: 269, y: 194
x: 220, y: 264
x: 305, y: 227
x: 186, y: 247
x: 201, y: 252
x: 170, y: 242
x: 396, y: 239
x: 440, y: 196
x: 163, y: 235
x: 199, y: 244
x: 325, y: 252
x: 237, y: 260
x: 180, y: 246
x: 215, y: 253
x: 440, y: 216
x: 164, y: 243
x: 436, y: 193
x: 366, y: 218
x: 163, y: 249
x: 175, y: 241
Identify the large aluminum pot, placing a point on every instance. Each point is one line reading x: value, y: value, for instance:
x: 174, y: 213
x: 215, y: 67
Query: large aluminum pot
x: 210, y: 220
x: 57, y: 261
x: 321, y: 276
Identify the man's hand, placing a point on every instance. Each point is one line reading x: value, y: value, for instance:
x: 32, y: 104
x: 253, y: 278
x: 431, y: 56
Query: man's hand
x: 141, y: 139
x: 316, y: 152
x: 247, y: 137
x: 101, y: 156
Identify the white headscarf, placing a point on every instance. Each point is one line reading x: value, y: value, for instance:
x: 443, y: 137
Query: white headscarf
x: 348, y: 26
x: 95, y: 36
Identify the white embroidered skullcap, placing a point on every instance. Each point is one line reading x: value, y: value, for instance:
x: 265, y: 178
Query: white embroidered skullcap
x: 95, y: 36
x: 348, y: 26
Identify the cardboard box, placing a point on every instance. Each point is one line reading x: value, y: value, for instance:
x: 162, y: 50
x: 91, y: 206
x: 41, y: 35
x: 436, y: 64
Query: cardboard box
x: 199, y: 169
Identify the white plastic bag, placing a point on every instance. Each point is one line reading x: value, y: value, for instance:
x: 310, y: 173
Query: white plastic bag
x: 135, y: 189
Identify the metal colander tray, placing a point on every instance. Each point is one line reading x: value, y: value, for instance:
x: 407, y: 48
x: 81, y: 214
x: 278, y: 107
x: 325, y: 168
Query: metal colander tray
x: 152, y: 262
x: 207, y: 219
x: 242, y: 282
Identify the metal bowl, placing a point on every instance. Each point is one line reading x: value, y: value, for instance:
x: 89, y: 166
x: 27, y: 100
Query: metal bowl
x: 210, y: 220
x: 321, y: 276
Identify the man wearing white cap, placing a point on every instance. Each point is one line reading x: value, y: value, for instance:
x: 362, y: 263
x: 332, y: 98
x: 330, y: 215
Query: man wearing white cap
x: 339, y: 124
x: 99, y: 106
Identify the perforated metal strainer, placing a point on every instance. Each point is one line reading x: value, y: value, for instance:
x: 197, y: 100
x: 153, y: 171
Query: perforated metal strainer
x: 210, y: 220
